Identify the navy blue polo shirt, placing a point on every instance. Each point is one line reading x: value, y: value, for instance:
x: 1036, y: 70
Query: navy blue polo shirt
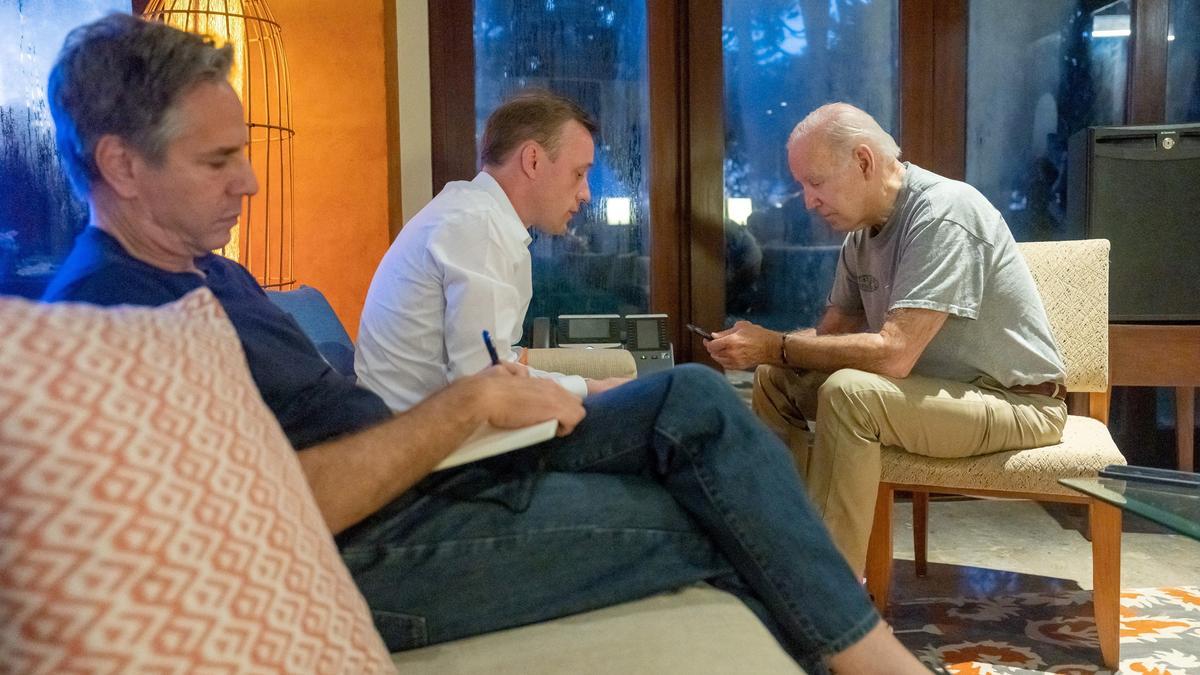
x: 311, y: 400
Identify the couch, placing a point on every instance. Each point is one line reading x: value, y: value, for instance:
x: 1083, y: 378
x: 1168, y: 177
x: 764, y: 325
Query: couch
x: 698, y: 629
x: 154, y: 518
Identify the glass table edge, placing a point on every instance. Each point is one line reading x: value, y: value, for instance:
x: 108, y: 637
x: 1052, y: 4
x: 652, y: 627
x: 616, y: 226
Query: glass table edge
x: 1094, y: 488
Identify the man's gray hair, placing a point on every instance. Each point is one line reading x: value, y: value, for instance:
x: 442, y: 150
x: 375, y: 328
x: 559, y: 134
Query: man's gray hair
x: 842, y: 127
x: 122, y: 75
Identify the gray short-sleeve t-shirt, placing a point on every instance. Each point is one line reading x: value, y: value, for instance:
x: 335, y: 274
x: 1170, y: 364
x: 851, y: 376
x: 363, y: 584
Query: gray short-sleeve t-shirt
x: 947, y: 249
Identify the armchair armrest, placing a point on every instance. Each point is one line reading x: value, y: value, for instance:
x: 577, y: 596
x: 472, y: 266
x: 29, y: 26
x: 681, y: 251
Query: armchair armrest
x: 591, y: 363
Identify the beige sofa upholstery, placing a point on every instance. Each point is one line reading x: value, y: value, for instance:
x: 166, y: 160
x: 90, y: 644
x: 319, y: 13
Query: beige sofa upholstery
x: 695, y: 630
x: 593, y: 363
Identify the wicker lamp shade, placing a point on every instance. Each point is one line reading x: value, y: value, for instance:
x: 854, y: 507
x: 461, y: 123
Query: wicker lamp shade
x: 263, y: 238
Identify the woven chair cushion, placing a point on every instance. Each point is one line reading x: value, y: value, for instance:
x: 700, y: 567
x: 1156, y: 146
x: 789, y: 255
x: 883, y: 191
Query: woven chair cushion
x: 1072, y: 279
x: 1086, y: 447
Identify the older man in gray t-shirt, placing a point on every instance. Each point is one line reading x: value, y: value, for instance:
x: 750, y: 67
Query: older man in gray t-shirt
x: 945, y: 248
x: 934, y: 339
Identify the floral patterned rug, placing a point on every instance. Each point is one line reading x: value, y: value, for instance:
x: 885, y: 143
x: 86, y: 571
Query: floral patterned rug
x: 1053, y: 633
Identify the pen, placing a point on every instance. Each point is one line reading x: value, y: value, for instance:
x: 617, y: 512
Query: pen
x: 487, y: 342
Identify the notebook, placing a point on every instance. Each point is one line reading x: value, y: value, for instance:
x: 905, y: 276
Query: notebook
x: 488, y: 441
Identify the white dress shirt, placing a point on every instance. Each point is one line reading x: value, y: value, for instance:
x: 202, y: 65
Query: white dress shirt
x: 459, y: 267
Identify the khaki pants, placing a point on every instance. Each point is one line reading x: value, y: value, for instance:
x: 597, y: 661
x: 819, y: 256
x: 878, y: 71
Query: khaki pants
x: 856, y: 413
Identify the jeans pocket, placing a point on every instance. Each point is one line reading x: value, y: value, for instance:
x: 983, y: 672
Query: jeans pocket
x: 400, y: 631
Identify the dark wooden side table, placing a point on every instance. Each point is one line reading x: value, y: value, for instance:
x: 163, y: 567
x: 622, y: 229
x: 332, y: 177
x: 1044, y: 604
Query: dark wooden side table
x: 1145, y: 355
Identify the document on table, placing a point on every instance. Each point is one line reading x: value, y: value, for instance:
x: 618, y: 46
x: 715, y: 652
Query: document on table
x: 489, y: 441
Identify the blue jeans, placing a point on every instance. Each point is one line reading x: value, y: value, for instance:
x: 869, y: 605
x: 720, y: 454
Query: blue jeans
x: 669, y: 480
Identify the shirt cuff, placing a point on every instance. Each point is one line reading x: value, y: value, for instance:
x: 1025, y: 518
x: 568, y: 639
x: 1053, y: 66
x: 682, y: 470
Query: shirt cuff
x: 572, y: 383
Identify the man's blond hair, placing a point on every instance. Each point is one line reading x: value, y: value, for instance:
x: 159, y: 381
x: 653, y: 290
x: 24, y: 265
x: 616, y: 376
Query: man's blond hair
x: 532, y: 115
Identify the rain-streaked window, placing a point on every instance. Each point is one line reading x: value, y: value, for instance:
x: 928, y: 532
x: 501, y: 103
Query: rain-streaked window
x: 784, y: 58
x: 1183, y: 62
x: 595, y: 54
x: 39, y: 216
x: 1034, y: 78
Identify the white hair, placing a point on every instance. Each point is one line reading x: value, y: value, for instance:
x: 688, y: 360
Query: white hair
x: 842, y: 127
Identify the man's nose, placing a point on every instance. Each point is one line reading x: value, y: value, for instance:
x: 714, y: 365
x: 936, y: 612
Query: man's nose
x: 585, y: 195
x: 810, y: 200
x: 248, y: 185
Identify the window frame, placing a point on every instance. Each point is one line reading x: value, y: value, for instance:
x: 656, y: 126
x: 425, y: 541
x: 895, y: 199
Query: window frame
x: 686, y: 181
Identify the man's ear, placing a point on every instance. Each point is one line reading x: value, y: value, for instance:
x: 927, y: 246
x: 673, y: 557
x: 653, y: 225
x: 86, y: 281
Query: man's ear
x: 118, y: 165
x: 531, y: 158
x: 864, y: 158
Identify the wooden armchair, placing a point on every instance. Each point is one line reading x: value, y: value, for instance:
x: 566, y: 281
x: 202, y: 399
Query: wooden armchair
x: 1072, y: 278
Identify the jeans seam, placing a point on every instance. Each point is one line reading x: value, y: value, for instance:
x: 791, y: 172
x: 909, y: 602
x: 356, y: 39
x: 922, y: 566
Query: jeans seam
x: 853, y: 634
x: 525, y: 534
x: 597, y: 458
x: 415, y: 628
x: 810, y: 630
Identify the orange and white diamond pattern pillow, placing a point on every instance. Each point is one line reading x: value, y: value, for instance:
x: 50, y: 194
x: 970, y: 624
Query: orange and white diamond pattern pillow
x: 153, y: 517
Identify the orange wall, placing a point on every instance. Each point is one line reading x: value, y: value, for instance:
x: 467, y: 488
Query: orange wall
x: 339, y: 109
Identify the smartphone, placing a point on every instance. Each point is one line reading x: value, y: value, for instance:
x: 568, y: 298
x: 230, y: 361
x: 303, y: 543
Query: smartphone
x: 700, y: 331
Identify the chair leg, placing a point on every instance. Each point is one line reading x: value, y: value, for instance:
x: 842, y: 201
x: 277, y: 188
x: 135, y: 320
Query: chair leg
x: 1105, y: 522
x: 1185, y: 412
x: 879, y: 549
x: 920, y: 528
x: 1098, y: 405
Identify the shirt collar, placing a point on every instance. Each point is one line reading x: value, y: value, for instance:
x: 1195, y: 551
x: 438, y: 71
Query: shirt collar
x: 902, y: 196
x: 107, y: 246
x: 511, y: 222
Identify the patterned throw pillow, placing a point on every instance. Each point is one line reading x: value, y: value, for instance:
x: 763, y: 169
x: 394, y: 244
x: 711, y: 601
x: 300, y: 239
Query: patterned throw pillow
x: 153, y: 517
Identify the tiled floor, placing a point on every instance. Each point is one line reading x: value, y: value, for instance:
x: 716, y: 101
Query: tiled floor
x: 991, y: 547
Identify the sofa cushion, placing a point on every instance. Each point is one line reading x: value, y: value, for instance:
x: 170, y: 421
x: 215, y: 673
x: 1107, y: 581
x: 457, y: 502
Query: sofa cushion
x: 320, y: 323
x: 154, y: 517
x: 1086, y: 447
x: 697, y: 630
x: 594, y: 363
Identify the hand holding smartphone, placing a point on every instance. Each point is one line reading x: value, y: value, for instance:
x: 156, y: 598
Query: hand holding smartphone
x: 700, y: 331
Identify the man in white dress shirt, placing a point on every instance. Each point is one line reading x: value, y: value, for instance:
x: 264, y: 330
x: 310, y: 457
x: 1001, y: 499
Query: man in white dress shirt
x: 462, y: 265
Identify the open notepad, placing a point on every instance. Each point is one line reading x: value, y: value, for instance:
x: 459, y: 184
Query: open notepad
x: 488, y: 441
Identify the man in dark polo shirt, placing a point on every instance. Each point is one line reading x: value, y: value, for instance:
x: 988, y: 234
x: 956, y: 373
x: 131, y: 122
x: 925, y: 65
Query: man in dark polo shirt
x: 666, y: 481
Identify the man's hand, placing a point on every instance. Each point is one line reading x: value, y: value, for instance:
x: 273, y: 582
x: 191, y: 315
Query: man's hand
x: 354, y: 475
x: 510, y: 398
x: 893, y: 351
x: 601, y: 386
x: 744, y: 346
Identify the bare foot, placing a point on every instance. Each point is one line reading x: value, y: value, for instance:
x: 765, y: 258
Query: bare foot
x: 879, y: 652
